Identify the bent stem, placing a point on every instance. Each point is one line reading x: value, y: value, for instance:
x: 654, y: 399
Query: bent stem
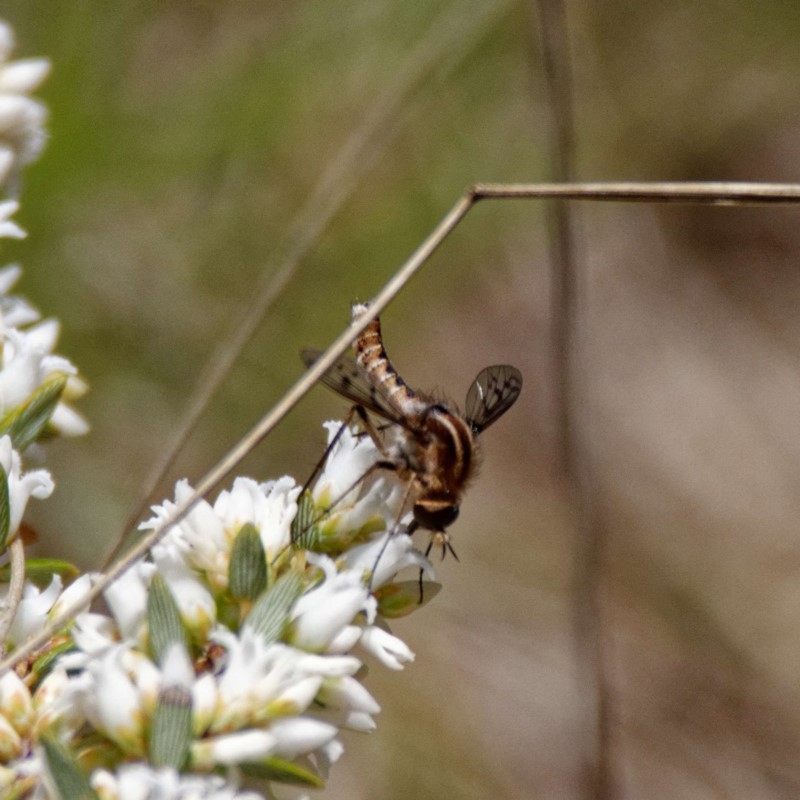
x: 729, y: 194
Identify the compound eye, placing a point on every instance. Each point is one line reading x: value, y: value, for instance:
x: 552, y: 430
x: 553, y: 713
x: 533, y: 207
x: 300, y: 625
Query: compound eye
x: 435, y: 516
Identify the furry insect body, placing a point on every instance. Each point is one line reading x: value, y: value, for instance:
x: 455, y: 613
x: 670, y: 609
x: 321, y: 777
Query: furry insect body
x: 430, y: 446
x: 434, y: 448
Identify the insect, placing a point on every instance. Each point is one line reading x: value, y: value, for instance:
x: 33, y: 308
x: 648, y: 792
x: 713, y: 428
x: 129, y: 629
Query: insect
x: 430, y: 444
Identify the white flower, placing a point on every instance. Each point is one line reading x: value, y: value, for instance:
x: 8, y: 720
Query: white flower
x: 348, y: 461
x: 93, y: 634
x: 73, y: 594
x: 388, y: 649
x: 16, y: 704
x: 9, y: 229
x: 24, y: 76
x: 261, y: 681
x: 200, y: 535
x: 21, y: 118
x: 177, y: 669
x: 195, y: 603
x: 115, y: 693
x: 31, y: 615
x: 27, y: 364
x: 297, y: 736
x: 23, y: 716
x: 38, y: 606
x: 320, y: 615
x: 144, y: 782
x: 348, y: 693
x: 52, y: 709
x: 345, y: 703
x: 353, y: 508
x: 383, y: 557
x: 269, y: 507
x: 127, y: 599
x: 233, y: 748
x: 206, y: 535
x: 14, y: 311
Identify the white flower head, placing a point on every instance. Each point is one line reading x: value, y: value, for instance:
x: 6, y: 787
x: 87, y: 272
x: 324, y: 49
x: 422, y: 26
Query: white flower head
x: 269, y: 507
x: 109, y: 692
x: 320, y: 615
x: 260, y: 681
x: 204, y: 538
x: 200, y: 536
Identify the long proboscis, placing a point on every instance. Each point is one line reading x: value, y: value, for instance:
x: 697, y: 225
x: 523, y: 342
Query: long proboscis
x: 714, y: 193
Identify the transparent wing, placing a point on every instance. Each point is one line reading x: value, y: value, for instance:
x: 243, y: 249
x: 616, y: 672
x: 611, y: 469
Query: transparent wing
x: 492, y: 393
x: 346, y: 378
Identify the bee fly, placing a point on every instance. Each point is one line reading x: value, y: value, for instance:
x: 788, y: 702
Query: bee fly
x: 432, y: 446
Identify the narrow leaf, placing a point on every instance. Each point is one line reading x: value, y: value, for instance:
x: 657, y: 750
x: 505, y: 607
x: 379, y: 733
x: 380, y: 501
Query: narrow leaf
x: 282, y: 771
x: 247, y: 573
x: 269, y: 614
x: 5, y: 510
x: 26, y: 422
x: 65, y: 771
x: 43, y: 662
x: 41, y: 570
x: 171, y: 729
x: 303, y: 530
x: 163, y: 619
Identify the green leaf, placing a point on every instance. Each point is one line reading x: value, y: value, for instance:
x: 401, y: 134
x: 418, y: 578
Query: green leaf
x: 5, y: 509
x: 65, y: 771
x: 26, y: 422
x: 41, y: 570
x: 247, y: 573
x: 42, y: 664
x: 171, y: 728
x: 303, y: 530
x: 269, y: 613
x: 278, y: 769
x: 163, y: 619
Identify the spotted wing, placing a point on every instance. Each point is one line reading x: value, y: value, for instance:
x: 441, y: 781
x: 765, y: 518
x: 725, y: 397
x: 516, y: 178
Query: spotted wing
x: 346, y: 378
x: 492, y: 393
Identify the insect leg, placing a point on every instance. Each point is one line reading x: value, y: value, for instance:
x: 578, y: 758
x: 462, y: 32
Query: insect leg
x: 444, y: 540
x: 395, y: 527
x: 307, y: 516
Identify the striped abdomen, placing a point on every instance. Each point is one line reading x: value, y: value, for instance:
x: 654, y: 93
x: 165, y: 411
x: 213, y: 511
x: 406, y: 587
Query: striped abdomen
x: 371, y: 357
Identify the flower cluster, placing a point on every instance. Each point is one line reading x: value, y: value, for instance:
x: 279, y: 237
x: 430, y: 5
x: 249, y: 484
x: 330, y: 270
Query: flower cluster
x: 232, y: 648
x: 237, y: 650
x: 35, y: 385
x: 22, y: 119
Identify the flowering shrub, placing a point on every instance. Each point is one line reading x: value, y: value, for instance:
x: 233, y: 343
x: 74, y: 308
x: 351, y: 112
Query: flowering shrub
x: 236, y: 651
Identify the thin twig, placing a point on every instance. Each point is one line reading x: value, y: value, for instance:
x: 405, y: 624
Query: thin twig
x: 714, y: 192
x: 743, y: 194
x: 451, y: 35
x: 15, y: 587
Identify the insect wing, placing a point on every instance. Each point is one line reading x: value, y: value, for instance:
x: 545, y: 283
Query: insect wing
x: 492, y: 393
x: 346, y: 378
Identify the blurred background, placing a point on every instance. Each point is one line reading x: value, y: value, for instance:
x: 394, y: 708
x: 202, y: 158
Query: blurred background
x: 201, y: 149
